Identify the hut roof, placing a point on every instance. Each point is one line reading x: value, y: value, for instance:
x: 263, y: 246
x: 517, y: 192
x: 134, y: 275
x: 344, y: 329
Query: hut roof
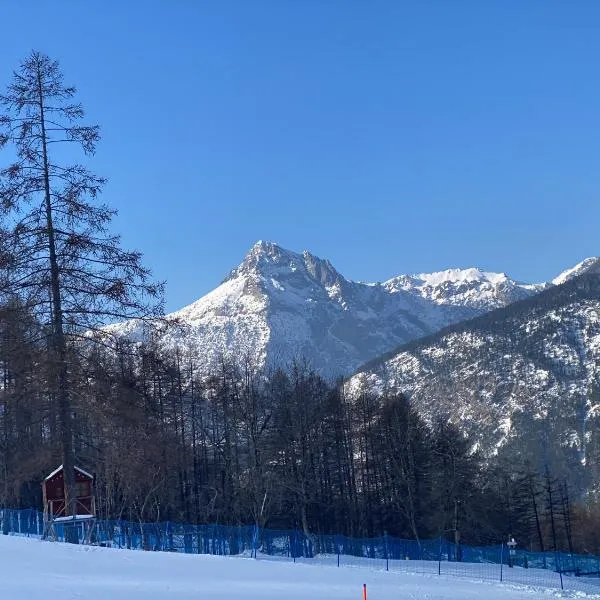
x: 59, y: 469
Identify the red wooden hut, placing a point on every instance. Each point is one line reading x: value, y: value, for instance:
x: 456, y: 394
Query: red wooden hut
x: 53, y: 489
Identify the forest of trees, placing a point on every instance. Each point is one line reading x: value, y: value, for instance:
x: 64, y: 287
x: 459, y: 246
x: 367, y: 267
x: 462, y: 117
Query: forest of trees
x: 283, y: 449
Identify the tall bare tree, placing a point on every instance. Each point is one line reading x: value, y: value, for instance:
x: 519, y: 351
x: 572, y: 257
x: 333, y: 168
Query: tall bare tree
x: 59, y: 254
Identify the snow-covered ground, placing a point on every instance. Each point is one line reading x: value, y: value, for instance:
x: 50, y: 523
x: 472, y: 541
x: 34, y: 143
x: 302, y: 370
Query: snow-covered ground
x: 32, y: 570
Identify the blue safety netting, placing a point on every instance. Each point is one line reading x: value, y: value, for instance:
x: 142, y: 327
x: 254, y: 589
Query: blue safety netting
x: 432, y: 556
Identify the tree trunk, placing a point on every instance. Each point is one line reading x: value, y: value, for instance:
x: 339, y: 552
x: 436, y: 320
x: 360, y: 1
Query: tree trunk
x: 59, y: 359
x: 536, y: 513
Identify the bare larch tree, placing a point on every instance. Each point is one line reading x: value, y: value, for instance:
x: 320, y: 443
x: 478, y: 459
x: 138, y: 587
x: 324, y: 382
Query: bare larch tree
x: 58, y: 253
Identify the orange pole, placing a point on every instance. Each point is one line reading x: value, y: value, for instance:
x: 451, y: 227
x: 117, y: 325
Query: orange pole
x: 364, y: 591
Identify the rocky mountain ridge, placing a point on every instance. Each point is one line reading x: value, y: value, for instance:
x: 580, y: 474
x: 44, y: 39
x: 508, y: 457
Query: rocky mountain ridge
x: 526, y: 376
x: 279, y: 305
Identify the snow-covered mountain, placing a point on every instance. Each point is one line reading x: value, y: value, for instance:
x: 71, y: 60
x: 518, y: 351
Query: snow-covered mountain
x: 278, y: 305
x: 528, y: 373
x: 587, y: 266
x: 470, y: 288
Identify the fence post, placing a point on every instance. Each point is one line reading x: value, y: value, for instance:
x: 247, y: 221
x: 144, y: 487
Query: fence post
x: 501, y: 559
x: 337, y: 542
x: 440, y: 558
x: 385, y: 543
x: 255, y: 540
x: 556, y: 558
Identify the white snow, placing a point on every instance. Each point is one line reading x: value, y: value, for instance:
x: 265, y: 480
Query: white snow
x: 460, y: 276
x: 578, y: 269
x: 73, y: 518
x: 32, y: 570
x: 59, y: 469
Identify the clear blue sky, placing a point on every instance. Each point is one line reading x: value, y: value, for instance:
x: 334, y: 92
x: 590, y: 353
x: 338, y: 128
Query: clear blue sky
x: 388, y: 136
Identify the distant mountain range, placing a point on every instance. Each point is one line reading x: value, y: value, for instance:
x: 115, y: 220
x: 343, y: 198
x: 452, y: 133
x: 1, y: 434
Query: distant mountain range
x: 524, y: 378
x: 279, y: 305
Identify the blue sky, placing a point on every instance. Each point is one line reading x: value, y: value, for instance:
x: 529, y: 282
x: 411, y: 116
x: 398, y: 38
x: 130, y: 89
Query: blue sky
x: 387, y: 136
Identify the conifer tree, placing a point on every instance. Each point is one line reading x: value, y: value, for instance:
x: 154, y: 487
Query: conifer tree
x: 59, y: 254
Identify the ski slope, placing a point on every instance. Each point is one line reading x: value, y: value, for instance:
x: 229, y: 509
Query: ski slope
x: 32, y: 570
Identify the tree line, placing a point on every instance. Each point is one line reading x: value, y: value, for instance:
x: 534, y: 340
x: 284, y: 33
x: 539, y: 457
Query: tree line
x: 284, y: 450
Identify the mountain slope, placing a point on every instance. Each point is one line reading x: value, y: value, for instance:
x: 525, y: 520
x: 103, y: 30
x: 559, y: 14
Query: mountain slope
x: 278, y: 305
x: 529, y: 371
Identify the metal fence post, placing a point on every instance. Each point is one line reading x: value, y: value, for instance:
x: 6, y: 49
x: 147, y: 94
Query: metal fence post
x: 501, y: 559
x: 440, y: 558
x: 387, y: 558
x: 557, y: 559
x: 255, y: 540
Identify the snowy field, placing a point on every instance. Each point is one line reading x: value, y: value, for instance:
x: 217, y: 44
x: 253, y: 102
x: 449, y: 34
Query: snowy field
x: 32, y: 570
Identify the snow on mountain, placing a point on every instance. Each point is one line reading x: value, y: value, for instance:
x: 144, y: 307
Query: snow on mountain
x: 471, y: 288
x: 278, y: 305
x: 524, y: 374
x: 589, y: 265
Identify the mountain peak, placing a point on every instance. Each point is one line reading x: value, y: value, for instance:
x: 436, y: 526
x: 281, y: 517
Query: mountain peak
x: 588, y: 265
x: 454, y: 277
x: 321, y: 269
x: 260, y: 256
x: 265, y: 248
x: 469, y: 275
x: 270, y: 259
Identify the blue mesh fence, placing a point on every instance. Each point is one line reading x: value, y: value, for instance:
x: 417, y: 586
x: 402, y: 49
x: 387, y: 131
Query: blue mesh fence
x: 436, y: 557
